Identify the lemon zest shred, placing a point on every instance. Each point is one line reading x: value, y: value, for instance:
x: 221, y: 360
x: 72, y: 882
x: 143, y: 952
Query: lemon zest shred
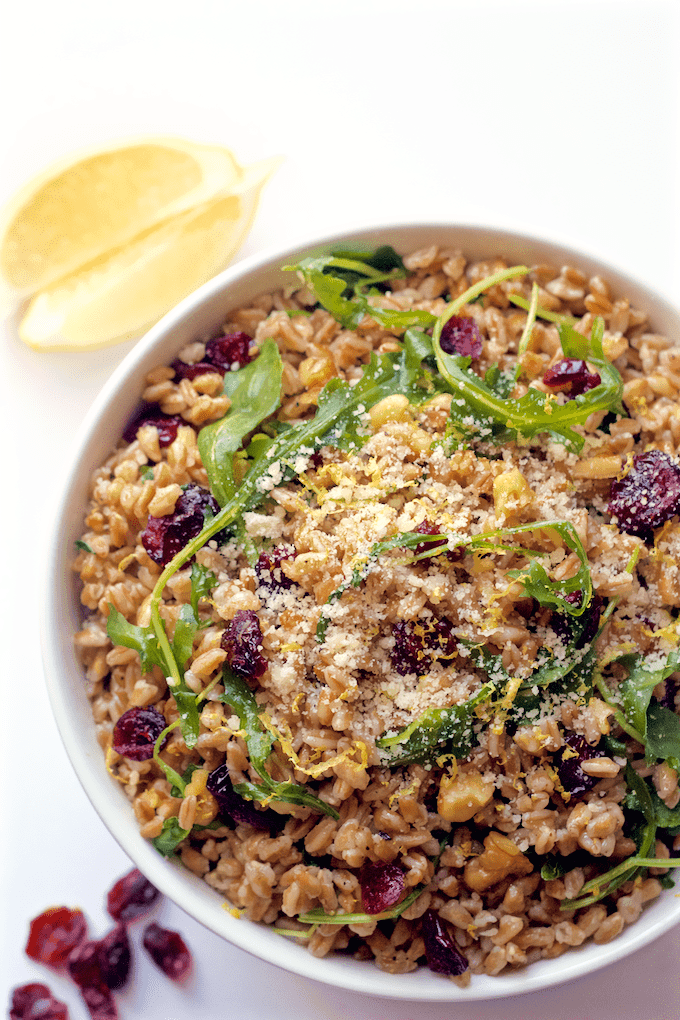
x: 234, y: 911
x: 126, y: 561
x: 110, y: 754
x: 285, y: 740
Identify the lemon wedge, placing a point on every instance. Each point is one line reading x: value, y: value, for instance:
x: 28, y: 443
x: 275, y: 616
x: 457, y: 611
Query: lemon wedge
x: 103, y: 243
x: 84, y: 206
x: 123, y: 292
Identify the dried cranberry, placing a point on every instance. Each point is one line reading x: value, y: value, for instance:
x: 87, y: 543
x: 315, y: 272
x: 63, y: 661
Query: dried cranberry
x: 36, y: 1002
x: 115, y: 957
x: 184, y: 371
x: 569, y: 758
x: 131, y: 896
x: 54, y: 934
x: 648, y: 495
x: 382, y: 885
x: 242, y: 641
x: 460, y: 335
x: 408, y: 654
x: 441, y: 952
x: 239, y: 810
x: 268, y: 567
x: 417, y: 644
x: 226, y: 351
x: 168, y: 951
x: 83, y: 965
x: 580, y: 629
x: 151, y: 414
x: 136, y: 732
x: 100, y: 1002
x: 164, y: 537
x: 572, y: 375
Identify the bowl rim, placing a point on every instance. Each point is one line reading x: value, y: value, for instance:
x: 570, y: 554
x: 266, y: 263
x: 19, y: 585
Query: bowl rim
x: 60, y: 666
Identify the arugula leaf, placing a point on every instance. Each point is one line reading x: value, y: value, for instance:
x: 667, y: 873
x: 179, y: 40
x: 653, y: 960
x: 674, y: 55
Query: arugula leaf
x: 170, y: 838
x: 202, y: 583
x: 501, y: 420
x: 635, y: 692
x: 535, y: 578
x: 435, y: 731
x: 141, y: 639
x: 255, y: 393
x: 338, y: 280
x: 663, y: 735
x: 319, y: 916
x: 259, y: 742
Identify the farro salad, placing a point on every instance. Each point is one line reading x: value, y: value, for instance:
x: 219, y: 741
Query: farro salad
x: 382, y: 589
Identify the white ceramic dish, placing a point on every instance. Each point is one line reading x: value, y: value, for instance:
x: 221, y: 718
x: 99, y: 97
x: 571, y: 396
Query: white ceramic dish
x: 197, y: 316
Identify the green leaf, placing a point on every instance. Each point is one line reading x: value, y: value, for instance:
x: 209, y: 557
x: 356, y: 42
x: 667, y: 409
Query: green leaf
x: 141, y: 639
x: 663, y: 735
x: 499, y: 420
x: 172, y: 834
x: 83, y: 546
x: 435, y: 732
x: 255, y: 393
x: 319, y: 916
x: 202, y: 583
x: 635, y: 692
x: 259, y: 742
x: 338, y: 282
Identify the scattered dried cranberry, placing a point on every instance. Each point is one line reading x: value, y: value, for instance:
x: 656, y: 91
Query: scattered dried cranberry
x: 151, y: 414
x: 136, y: 732
x: 168, y: 951
x: 184, y: 371
x: 131, y: 896
x: 115, y: 957
x: 54, y: 934
x: 226, y: 351
x: 460, y: 335
x: 103, y: 964
x: 572, y: 375
x: 382, y: 885
x: 569, y: 758
x: 441, y: 952
x: 164, y: 537
x: 99, y: 1002
x: 583, y: 628
x: 242, y: 641
x: 83, y: 965
x: 241, y: 811
x: 36, y: 1002
x: 417, y: 644
x: 268, y: 567
x: 648, y: 496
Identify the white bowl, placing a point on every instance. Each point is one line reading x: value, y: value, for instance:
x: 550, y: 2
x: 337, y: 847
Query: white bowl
x: 197, y: 316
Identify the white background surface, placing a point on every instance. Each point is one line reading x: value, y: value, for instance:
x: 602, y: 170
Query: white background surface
x: 555, y: 118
